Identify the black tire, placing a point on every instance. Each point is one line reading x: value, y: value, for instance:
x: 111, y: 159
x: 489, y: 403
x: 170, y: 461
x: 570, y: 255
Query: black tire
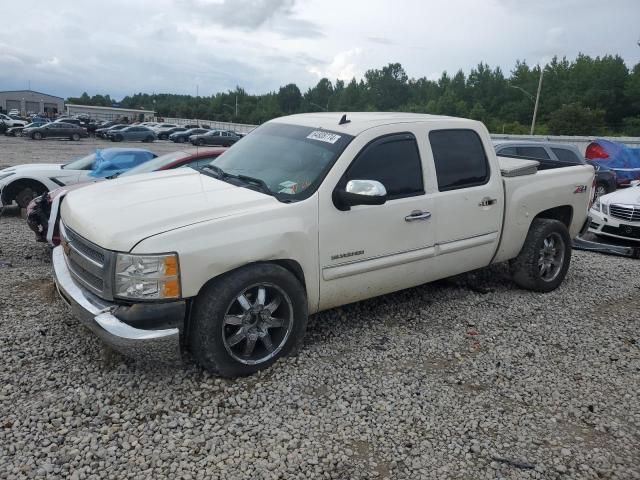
x: 75, y: 137
x: 200, y: 142
x: 149, y: 139
x: 24, y: 196
x: 209, y: 334
x: 36, y: 136
x: 162, y: 136
x: 601, y: 189
x: 117, y: 138
x: 180, y: 140
x: 526, y: 270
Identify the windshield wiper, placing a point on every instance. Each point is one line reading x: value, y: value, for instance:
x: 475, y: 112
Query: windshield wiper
x: 257, y: 182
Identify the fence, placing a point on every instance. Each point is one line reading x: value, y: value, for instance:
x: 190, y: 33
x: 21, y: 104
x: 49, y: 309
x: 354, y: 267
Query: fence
x: 236, y: 127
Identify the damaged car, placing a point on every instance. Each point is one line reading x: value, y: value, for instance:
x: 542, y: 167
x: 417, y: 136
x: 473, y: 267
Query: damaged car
x: 42, y: 212
x: 617, y: 215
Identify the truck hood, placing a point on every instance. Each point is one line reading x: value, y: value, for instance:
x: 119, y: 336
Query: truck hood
x: 120, y: 213
x: 629, y: 196
x: 33, y: 166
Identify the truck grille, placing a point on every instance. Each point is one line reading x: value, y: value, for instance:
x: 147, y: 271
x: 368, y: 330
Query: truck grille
x: 89, y: 264
x: 629, y: 213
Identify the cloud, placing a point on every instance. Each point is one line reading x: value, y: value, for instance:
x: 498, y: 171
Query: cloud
x: 250, y: 15
x: 343, y: 66
x: 381, y: 40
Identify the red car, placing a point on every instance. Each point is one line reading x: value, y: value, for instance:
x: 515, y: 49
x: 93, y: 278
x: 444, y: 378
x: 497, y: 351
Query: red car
x: 42, y: 212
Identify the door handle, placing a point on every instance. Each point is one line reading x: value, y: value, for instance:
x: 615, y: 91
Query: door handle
x: 486, y: 201
x: 417, y: 215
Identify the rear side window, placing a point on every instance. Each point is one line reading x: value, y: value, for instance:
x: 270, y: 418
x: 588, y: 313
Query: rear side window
x: 459, y: 158
x: 508, y: 152
x: 567, y: 156
x: 394, y: 161
x: 539, y: 153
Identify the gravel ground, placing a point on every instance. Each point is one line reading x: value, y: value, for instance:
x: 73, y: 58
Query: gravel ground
x: 19, y: 150
x: 467, y: 378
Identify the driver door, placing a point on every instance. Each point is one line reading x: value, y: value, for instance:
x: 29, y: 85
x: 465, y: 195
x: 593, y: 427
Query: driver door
x: 371, y: 250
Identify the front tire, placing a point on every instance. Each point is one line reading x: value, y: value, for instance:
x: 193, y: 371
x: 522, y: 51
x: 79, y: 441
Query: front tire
x: 601, y: 189
x: 247, y: 319
x: 200, y: 142
x: 75, y: 137
x: 24, y: 197
x: 37, y: 136
x: 544, y: 259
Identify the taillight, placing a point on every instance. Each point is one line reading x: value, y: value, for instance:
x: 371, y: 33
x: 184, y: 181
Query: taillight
x: 595, y: 150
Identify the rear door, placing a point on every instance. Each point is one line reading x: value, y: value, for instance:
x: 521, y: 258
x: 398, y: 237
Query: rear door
x: 469, y: 203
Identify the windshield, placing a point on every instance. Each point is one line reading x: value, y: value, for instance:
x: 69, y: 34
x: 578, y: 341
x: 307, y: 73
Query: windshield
x: 156, y: 163
x: 290, y: 159
x: 84, y: 163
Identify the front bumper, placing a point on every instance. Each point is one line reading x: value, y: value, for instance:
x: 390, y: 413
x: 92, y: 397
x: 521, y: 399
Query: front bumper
x: 99, y: 316
x: 602, y: 224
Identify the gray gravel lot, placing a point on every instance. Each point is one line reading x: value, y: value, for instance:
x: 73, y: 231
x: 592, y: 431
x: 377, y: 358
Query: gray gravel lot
x: 466, y: 378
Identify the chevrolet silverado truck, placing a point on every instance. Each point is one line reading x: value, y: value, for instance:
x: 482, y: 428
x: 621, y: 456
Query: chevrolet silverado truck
x: 306, y: 213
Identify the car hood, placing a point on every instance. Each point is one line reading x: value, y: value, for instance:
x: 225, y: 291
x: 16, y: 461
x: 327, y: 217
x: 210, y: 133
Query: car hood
x: 33, y: 166
x: 120, y: 213
x: 629, y: 196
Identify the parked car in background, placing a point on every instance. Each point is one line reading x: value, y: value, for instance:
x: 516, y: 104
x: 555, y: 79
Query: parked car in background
x: 551, y: 155
x: 215, y: 137
x: 11, y: 122
x: 307, y: 213
x: 161, y: 127
x: 103, y: 132
x: 623, y: 160
x: 42, y: 211
x: 617, y: 214
x: 14, y: 111
x: 58, y: 130
x: 73, y: 121
x: 166, y: 133
x: 22, y: 183
x: 18, y: 131
x: 182, y: 137
x: 134, y: 133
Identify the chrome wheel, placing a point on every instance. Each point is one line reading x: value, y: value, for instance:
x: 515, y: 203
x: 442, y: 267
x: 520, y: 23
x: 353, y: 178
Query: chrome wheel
x: 257, y: 323
x: 600, y: 190
x: 551, y: 257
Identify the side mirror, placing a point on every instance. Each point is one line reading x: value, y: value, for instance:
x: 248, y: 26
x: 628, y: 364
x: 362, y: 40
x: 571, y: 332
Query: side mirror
x: 359, y: 192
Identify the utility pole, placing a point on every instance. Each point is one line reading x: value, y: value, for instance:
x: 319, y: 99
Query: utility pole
x: 535, y: 109
x: 236, y: 106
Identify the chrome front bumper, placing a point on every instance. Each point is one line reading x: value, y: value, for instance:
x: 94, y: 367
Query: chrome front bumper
x: 99, y: 316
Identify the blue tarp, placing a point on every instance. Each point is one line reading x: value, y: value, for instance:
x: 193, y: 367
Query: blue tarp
x: 109, y: 162
x: 625, y: 161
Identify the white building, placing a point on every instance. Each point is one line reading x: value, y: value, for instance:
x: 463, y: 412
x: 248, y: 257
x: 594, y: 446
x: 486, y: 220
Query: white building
x: 110, y: 113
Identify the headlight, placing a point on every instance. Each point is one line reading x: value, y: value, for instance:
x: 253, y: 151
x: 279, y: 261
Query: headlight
x: 596, y: 205
x: 604, y: 208
x: 147, y: 277
x: 5, y: 175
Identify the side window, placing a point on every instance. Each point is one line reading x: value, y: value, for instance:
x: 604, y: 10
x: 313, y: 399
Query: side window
x: 566, y: 155
x: 394, y: 161
x: 460, y: 159
x: 533, y: 152
x: 508, y: 152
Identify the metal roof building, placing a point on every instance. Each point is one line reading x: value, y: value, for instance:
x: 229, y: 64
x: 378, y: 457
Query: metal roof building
x: 109, y: 113
x: 29, y: 101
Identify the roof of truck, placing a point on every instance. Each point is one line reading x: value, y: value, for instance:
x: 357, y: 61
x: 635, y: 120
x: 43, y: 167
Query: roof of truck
x: 361, y: 121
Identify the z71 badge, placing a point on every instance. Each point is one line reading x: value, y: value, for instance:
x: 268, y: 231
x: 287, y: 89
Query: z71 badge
x: 580, y: 189
x: 347, y: 255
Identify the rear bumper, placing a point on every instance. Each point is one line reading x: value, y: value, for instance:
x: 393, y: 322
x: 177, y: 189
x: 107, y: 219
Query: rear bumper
x: 99, y: 316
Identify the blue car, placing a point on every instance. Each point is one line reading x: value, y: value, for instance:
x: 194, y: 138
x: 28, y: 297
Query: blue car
x: 623, y: 160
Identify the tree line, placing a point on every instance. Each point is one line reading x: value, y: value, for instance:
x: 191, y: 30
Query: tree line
x: 584, y: 96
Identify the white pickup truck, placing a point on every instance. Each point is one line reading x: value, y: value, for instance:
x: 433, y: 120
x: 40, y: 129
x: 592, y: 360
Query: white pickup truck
x: 306, y: 213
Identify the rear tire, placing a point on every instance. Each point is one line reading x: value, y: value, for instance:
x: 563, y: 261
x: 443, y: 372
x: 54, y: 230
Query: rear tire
x: 544, y: 259
x: 200, y: 142
x: 149, y: 139
x: 180, y: 140
x: 236, y: 331
x: 75, y: 137
x: 601, y: 189
x: 37, y: 136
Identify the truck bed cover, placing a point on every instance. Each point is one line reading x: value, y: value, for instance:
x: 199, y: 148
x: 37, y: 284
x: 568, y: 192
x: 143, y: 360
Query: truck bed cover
x: 516, y: 167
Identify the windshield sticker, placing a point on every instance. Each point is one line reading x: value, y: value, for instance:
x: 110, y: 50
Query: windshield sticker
x: 326, y: 137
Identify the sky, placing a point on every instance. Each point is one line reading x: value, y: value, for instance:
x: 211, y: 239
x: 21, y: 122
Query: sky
x: 121, y: 47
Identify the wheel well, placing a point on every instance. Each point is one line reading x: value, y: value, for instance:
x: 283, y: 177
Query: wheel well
x: 563, y: 214
x: 10, y: 191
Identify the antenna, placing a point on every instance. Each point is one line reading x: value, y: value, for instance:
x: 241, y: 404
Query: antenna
x: 344, y: 120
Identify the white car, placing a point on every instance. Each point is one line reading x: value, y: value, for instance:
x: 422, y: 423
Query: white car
x: 11, y: 122
x: 617, y: 214
x: 22, y: 183
x: 306, y: 213
x: 14, y: 112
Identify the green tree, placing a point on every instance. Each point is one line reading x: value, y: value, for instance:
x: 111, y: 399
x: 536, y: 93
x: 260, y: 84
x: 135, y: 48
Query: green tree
x: 575, y: 119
